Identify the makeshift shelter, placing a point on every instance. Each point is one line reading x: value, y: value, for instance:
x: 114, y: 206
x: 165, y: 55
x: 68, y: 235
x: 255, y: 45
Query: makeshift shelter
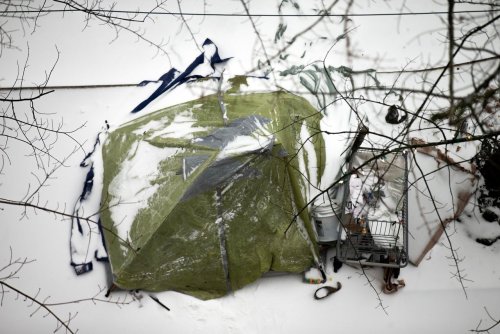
x: 199, y: 203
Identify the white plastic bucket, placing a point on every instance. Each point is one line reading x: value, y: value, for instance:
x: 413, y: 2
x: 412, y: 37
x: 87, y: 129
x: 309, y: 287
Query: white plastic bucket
x: 326, y: 222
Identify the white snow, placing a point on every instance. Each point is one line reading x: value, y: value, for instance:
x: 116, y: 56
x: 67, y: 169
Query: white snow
x: 132, y: 187
x: 259, y: 140
x: 432, y: 301
x: 89, y: 240
x: 182, y: 126
x: 308, y: 165
x: 150, y: 126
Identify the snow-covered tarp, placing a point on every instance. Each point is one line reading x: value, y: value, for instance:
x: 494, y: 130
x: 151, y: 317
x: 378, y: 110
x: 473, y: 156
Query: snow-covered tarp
x: 206, y: 209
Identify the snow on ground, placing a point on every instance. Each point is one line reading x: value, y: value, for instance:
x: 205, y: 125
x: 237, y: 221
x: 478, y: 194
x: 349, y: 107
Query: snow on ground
x: 433, y: 301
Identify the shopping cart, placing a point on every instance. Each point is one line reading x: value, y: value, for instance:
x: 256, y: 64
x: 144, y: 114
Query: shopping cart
x: 374, y: 218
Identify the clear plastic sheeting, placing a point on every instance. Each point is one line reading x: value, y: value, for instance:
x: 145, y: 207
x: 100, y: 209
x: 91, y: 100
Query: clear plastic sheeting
x: 211, y: 208
x: 383, y: 183
x: 375, y: 219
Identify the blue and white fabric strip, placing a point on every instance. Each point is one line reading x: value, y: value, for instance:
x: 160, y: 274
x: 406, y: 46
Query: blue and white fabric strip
x: 86, y: 240
x: 202, y: 67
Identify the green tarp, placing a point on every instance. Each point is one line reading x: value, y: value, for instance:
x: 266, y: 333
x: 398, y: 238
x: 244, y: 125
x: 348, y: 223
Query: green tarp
x: 200, y: 205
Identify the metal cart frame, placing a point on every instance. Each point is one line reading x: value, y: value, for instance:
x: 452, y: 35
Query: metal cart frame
x: 375, y: 242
